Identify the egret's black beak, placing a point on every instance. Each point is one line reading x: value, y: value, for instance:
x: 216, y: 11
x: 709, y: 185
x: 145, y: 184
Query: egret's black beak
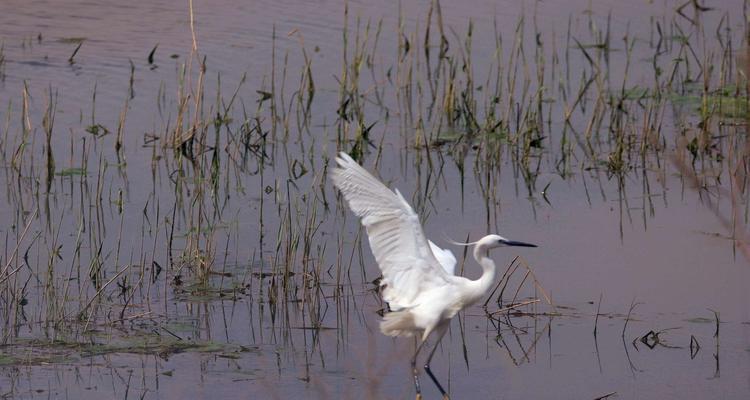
x: 515, y: 243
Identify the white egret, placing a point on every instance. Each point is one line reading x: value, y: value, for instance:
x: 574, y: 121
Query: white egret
x: 418, y: 282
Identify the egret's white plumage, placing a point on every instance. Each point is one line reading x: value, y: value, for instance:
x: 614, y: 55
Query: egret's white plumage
x: 405, y: 257
x: 418, y: 276
x: 445, y: 257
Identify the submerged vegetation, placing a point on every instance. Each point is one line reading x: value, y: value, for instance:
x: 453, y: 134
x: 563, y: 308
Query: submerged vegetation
x: 111, y: 226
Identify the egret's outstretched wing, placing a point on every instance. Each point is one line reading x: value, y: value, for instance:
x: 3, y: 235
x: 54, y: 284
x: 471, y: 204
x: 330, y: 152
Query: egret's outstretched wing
x: 445, y: 257
x: 396, y: 238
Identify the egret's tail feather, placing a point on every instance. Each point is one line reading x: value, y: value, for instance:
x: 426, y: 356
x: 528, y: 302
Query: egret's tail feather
x: 398, y: 323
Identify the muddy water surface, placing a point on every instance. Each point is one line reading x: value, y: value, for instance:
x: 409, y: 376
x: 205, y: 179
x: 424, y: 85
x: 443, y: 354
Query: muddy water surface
x: 207, y: 255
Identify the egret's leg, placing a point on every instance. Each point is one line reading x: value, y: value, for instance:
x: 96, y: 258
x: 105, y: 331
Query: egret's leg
x: 414, y: 368
x: 440, y: 332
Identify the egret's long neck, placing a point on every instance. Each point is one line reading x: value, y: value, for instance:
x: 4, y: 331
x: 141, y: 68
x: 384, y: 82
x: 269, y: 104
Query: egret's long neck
x: 483, y: 284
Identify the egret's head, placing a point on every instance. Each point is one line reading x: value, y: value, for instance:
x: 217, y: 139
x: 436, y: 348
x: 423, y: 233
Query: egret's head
x: 493, y: 241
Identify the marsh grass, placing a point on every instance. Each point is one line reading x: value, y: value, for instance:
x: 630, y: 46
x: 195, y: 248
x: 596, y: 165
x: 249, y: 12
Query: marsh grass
x: 2, y: 62
x: 81, y: 256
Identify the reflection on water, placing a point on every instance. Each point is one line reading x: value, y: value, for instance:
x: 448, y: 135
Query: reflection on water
x: 170, y: 231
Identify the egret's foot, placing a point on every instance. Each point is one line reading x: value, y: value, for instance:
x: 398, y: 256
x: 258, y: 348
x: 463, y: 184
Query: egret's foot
x: 416, y: 384
x: 439, y: 386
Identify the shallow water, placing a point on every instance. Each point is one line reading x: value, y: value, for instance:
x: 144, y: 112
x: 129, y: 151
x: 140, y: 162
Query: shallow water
x: 644, y: 238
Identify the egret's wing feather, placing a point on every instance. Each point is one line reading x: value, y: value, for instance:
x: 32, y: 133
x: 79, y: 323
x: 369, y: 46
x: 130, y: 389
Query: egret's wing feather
x: 396, y: 238
x: 445, y: 257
